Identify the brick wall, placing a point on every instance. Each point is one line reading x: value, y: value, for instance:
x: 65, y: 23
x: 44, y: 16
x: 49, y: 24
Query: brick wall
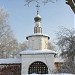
x: 10, y: 69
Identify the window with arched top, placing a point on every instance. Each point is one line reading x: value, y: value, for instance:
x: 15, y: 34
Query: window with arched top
x: 38, y: 68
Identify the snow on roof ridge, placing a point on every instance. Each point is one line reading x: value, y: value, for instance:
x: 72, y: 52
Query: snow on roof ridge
x: 38, y: 34
x: 38, y: 52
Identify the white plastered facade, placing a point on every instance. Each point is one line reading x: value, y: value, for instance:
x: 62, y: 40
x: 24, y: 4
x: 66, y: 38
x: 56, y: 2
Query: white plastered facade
x: 27, y: 60
x: 37, y: 50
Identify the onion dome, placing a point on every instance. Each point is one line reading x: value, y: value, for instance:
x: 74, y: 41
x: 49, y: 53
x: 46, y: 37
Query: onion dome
x: 37, y: 18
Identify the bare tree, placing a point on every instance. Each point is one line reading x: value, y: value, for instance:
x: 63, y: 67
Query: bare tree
x: 66, y: 43
x: 51, y: 46
x: 27, y: 2
x: 23, y: 46
x: 7, y: 41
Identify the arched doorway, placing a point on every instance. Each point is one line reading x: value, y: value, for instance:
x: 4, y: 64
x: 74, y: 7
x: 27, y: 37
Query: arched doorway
x: 38, y: 68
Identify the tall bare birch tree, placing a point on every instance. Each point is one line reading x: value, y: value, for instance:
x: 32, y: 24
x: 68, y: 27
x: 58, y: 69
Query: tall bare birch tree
x: 8, y: 44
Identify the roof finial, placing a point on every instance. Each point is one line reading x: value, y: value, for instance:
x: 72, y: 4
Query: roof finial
x: 37, y: 6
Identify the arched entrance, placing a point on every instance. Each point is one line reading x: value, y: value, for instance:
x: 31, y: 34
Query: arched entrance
x: 38, y: 68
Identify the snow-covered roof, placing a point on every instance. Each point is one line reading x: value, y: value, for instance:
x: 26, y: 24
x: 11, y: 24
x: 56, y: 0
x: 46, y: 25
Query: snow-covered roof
x: 38, y: 52
x: 38, y: 16
x: 10, y: 61
x: 38, y: 34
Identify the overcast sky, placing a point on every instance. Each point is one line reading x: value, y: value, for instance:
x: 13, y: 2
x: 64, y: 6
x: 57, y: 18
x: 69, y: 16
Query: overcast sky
x: 21, y: 20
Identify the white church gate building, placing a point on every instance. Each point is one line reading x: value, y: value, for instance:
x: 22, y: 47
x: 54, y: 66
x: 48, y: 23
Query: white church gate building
x: 37, y: 59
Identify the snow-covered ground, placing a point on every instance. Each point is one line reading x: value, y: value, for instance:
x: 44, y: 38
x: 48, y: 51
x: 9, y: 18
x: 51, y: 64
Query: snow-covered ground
x: 53, y: 74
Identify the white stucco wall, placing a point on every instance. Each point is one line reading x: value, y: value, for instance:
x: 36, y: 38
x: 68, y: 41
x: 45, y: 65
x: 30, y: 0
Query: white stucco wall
x: 37, y: 42
x: 27, y: 60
